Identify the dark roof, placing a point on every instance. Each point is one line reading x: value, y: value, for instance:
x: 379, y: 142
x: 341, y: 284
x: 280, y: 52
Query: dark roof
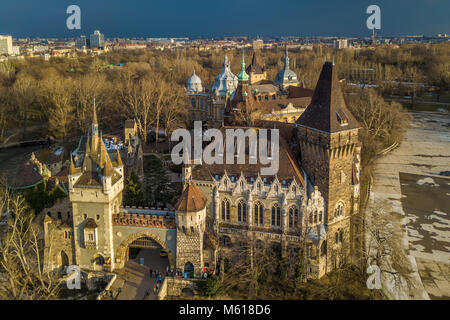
x: 90, y: 223
x: 243, y: 98
x: 288, y: 164
x: 192, y: 199
x: 256, y: 66
x: 327, y: 111
x: 27, y: 175
x: 48, y: 157
x: 299, y: 92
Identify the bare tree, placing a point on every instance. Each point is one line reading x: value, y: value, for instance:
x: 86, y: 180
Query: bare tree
x: 21, y: 266
x: 23, y: 96
x: 58, y: 104
x: 383, y: 243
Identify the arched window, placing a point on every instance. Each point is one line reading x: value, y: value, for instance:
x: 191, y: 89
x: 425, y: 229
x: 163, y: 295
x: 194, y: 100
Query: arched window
x: 315, y: 216
x: 226, y: 210
x: 339, y: 210
x: 310, y: 218
x: 276, y: 215
x: 242, y: 211
x: 336, y: 239
x: 259, y: 214
x: 293, y: 217
x: 341, y: 235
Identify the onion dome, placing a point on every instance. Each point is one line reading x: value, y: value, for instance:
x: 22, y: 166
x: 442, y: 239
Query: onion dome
x: 226, y: 82
x: 286, y: 76
x: 194, y: 84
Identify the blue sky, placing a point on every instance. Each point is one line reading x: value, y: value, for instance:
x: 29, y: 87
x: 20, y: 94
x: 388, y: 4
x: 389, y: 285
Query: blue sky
x: 206, y: 18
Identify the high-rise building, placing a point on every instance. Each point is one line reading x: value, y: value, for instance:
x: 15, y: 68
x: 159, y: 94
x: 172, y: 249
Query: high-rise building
x: 6, y: 46
x: 81, y: 42
x: 97, y: 40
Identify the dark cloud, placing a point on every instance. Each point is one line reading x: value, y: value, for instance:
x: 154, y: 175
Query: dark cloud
x: 163, y: 18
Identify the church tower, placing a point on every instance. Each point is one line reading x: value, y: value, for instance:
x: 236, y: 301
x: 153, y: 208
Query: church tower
x: 330, y: 150
x: 256, y: 70
x: 95, y: 192
x: 239, y: 107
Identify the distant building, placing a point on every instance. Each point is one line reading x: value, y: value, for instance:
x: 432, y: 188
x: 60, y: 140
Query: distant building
x: 97, y: 40
x: 16, y: 50
x: 258, y: 44
x: 81, y: 43
x: 340, y: 44
x: 6, y: 46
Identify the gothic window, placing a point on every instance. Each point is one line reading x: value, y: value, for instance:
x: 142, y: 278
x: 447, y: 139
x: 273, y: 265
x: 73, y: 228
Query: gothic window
x: 320, y: 216
x: 339, y: 210
x: 315, y: 216
x: 276, y: 215
x: 226, y: 210
x: 294, y: 189
x: 310, y: 218
x: 276, y: 189
x: 293, y: 217
x: 242, y: 185
x: 259, y: 187
x: 259, y: 214
x: 242, y: 211
x: 336, y: 239
x: 59, y: 215
x: 341, y: 235
x: 226, y: 183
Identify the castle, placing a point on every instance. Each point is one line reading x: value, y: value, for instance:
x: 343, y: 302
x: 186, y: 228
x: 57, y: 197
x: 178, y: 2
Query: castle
x: 310, y: 203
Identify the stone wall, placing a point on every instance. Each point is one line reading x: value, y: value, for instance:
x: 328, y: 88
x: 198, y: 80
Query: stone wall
x: 190, y: 249
x: 175, y: 286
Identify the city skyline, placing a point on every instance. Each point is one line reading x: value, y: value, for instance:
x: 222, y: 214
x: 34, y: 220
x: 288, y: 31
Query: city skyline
x: 216, y: 19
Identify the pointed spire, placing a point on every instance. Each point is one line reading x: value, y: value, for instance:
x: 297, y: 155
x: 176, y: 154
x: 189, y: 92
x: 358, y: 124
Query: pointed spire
x: 327, y: 111
x: 72, y: 166
x: 94, y: 115
x: 286, y: 58
x: 243, y: 76
x: 108, y: 170
x: 119, y: 159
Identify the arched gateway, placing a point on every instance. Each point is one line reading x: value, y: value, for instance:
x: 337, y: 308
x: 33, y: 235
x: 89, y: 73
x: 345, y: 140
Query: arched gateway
x: 121, y: 253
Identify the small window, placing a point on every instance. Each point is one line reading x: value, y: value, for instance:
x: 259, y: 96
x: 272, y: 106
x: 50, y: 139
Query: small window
x: 98, y: 217
x: 85, y: 216
x: 59, y: 215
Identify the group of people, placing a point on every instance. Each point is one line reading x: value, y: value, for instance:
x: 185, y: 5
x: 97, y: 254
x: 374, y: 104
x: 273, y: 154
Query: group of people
x: 158, y: 276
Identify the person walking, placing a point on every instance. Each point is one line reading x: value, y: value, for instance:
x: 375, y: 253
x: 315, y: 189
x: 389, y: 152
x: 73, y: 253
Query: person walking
x: 154, y: 289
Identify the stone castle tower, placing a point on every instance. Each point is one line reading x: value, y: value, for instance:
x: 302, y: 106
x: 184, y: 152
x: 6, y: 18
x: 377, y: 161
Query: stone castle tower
x: 328, y: 136
x: 95, y: 191
x: 191, y: 221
